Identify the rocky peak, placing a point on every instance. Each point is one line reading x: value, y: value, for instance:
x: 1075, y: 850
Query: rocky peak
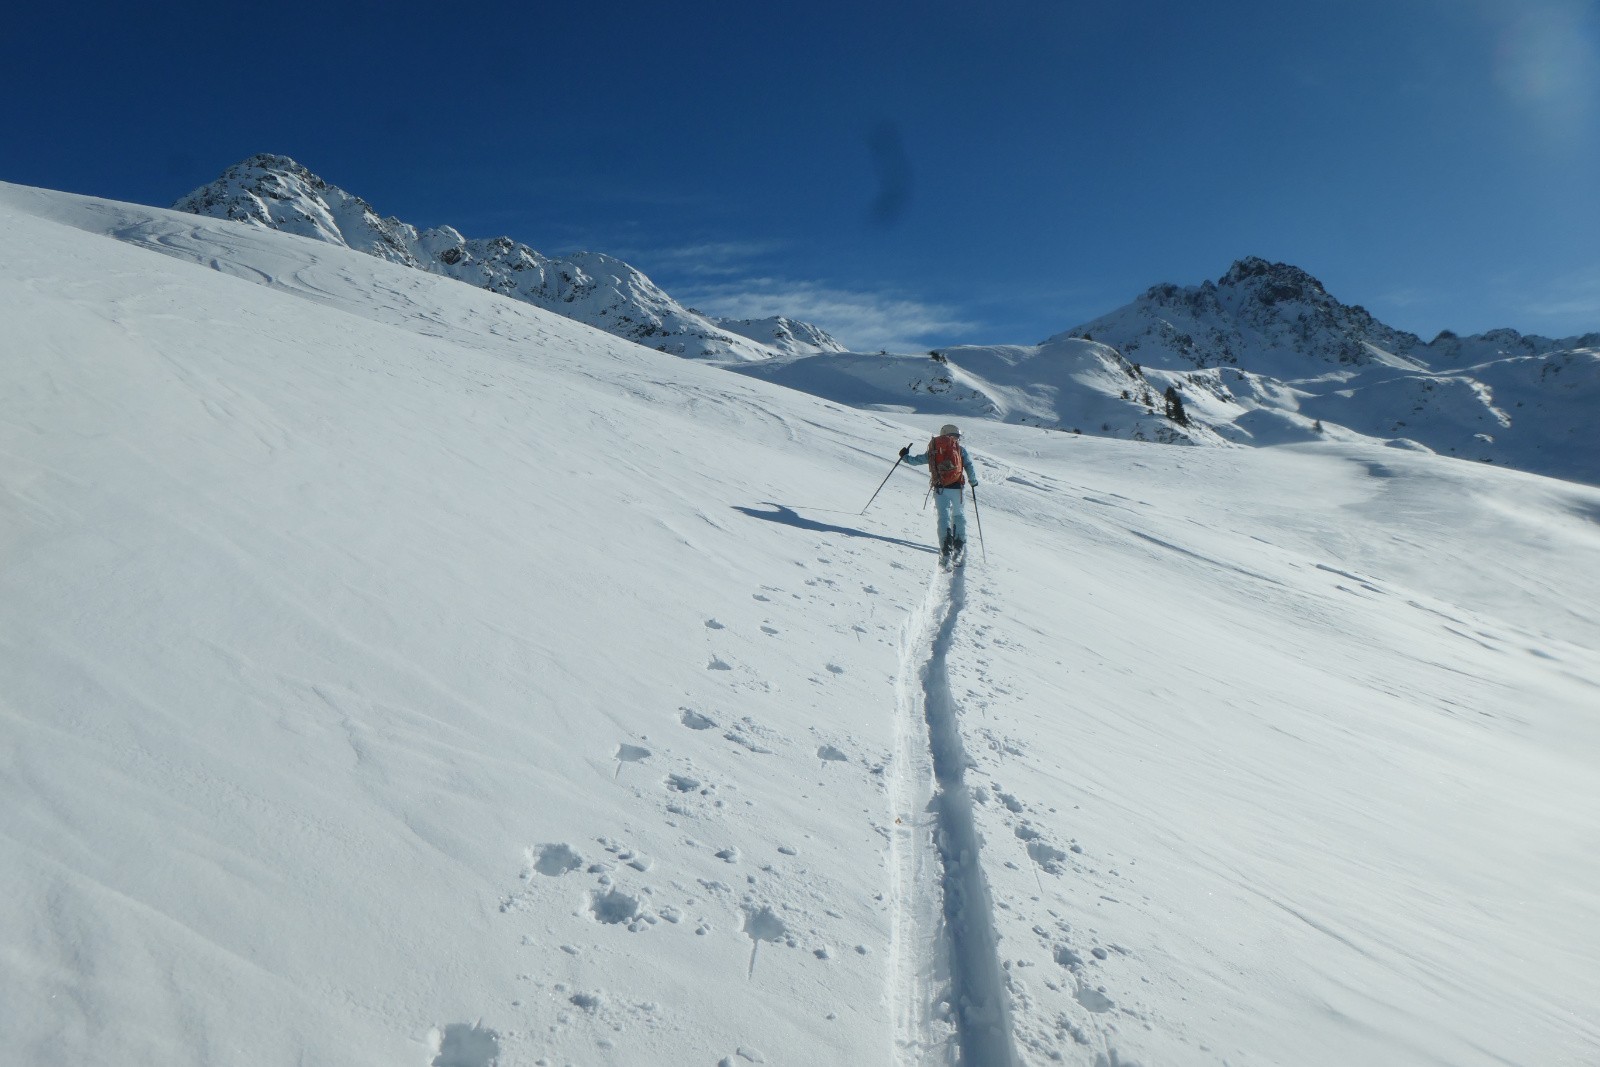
x: 1273, y: 283
x: 276, y: 192
x: 1259, y: 311
x: 271, y: 177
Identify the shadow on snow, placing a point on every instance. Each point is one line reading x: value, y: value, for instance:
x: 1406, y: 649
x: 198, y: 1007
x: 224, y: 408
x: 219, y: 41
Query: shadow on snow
x: 789, y: 517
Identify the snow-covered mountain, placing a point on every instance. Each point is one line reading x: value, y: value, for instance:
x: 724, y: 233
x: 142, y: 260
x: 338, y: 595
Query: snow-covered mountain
x: 396, y: 675
x: 1277, y: 320
x: 1263, y: 356
x: 1269, y: 355
x: 277, y: 193
x: 1273, y: 318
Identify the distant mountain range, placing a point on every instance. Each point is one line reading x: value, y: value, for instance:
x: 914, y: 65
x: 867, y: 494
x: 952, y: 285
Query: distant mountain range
x: 1263, y: 355
x: 280, y: 194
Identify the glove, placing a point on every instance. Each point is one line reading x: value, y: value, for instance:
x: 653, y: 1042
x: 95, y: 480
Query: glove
x: 906, y: 451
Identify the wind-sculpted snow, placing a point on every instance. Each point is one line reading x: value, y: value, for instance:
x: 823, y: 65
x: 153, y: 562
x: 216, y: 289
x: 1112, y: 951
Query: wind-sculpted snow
x: 397, y: 674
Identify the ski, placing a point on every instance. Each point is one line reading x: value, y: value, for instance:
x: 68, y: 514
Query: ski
x: 953, y: 557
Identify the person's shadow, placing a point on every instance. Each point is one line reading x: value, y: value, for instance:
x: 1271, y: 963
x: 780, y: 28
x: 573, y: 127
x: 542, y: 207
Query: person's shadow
x: 789, y: 517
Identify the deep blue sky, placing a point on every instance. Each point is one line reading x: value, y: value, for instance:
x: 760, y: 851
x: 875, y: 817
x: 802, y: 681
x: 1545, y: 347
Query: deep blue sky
x: 902, y: 173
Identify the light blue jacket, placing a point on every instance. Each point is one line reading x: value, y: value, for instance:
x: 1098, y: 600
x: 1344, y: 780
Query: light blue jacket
x: 968, y: 471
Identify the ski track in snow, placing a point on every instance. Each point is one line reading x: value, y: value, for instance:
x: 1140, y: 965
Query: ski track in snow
x: 934, y: 820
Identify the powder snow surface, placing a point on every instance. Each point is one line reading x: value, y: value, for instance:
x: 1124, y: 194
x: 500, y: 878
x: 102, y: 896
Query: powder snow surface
x: 392, y: 673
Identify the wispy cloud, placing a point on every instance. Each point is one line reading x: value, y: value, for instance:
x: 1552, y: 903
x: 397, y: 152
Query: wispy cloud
x: 701, y: 259
x: 1405, y: 297
x: 736, y: 279
x: 863, y: 321
x: 1568, y: 305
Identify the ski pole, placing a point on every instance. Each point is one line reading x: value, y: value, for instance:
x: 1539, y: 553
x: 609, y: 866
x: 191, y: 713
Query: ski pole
x: 885, y: 481
x: 976, y: 514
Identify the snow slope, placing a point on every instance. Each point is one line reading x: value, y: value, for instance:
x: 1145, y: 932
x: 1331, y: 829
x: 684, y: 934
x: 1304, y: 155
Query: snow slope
x: 395, y: 673
x: 1067, y: 384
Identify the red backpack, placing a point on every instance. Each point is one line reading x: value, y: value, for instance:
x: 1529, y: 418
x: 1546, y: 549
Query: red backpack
x: 944, y: 461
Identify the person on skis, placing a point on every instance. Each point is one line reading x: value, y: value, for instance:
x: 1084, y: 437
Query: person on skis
x: 949, y: 469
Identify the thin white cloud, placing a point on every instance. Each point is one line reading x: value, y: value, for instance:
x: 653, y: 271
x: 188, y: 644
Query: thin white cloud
x: 704, y: 259
x: 861, y: 321
x: 1571, y: 305
x: 1406, y: 297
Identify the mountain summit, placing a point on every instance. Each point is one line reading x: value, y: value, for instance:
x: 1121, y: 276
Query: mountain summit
x: 1277, y: 319
x: 1275, y: 315
x: 278, y: 193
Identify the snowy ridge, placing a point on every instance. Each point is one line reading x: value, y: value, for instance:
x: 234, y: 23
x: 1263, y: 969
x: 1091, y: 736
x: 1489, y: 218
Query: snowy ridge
x: 277, y: 193
x: 397, y: 674
x: 784, y: 335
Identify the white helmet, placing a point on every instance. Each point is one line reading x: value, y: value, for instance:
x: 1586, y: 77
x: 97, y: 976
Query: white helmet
x: 949, y: 429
